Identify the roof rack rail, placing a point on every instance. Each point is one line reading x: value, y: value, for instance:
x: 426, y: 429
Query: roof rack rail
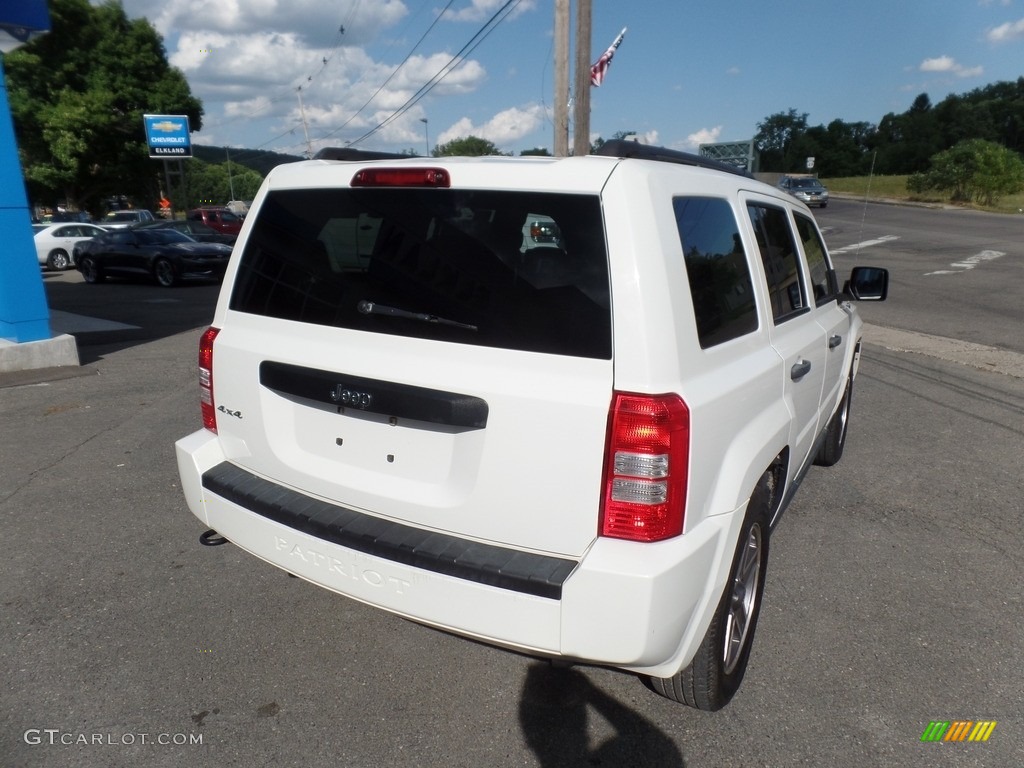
x: 347, y: 153
x: 624, y: 148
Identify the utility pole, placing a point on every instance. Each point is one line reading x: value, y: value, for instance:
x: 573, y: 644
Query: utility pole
x: 561, y: 78
x: 305, y: 129
x: 231, y: 183
x: 581, y: 126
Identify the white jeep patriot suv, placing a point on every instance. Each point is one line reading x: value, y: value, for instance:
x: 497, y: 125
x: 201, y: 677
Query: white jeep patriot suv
x: 556, y: 405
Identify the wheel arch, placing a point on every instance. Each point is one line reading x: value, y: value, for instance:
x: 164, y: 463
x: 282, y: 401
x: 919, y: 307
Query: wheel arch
x: 761, y: 445
x: 729, y: 527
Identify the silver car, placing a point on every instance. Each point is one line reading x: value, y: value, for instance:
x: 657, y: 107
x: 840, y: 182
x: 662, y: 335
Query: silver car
x: 806, y: 188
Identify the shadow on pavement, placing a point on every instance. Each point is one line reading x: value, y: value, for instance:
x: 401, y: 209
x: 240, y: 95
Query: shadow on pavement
x: 553, y: 711
x: 118, y: 314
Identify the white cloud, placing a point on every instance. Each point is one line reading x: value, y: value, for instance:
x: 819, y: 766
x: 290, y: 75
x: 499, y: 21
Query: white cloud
x: 940, y: 64
x: 703, y: 136
x: 482, y: 10
x: 260, y: 104
x: 1011, y: 30
x: 254, y: 75
x: 950, y: 65
x: 506, y: 126
x: 732, y: 71
x: 316, y: 22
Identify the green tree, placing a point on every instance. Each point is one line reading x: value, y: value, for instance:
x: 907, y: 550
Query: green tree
x: 470, y: 146
x: 905, y: 143
x: 841, y: 149
x: 994, y: 112
x: 210, y: 183
x: 779, y: 141
x: 77, y: 97
x: 974, y: 170
x: 535, y: 152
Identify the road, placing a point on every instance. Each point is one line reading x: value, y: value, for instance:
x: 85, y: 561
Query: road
x: 955, y: 273
x: 893, y: 596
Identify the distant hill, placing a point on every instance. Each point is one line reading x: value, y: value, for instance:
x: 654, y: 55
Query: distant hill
x: 259, y: 160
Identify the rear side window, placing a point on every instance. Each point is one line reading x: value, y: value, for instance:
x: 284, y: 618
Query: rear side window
x: 780, y: 259
x: 717, y: 269
x: 524, y: 271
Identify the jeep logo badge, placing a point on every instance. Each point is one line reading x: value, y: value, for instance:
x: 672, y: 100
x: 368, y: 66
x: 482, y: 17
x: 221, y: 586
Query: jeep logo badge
x: 342, y: 395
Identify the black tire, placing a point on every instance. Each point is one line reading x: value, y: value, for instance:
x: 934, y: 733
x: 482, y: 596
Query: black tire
x: 831, y: 450
x: 164, y: 273
x: 58, y: 260
x: 91, y: 271
x: 715, y: 674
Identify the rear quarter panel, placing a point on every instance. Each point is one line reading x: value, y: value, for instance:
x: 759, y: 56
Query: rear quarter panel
x: 739, y: 422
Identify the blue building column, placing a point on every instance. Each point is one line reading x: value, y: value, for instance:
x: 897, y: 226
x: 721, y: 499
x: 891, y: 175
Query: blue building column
x: 24, y: 315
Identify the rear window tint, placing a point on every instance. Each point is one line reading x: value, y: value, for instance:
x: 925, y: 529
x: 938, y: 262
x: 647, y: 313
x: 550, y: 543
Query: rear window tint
x: 524, y: 271
x: 717, y: 269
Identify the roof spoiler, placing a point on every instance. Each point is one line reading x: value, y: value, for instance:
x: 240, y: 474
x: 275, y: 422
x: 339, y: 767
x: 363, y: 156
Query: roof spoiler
x: 347, y: 153
x: 634, y: 149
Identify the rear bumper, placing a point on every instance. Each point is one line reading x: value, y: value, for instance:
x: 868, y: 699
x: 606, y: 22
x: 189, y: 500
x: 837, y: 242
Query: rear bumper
x: 643, y: 607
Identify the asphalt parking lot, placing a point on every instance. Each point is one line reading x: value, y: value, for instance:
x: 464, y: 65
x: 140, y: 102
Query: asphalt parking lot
x: 893, y: 598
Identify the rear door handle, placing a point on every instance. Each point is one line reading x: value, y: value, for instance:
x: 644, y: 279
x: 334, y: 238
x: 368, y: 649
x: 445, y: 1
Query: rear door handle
x: 834, y: 341
x: 800, y: 369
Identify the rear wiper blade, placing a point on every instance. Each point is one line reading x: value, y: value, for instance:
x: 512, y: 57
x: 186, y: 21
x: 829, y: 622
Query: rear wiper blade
x: 372, y: 308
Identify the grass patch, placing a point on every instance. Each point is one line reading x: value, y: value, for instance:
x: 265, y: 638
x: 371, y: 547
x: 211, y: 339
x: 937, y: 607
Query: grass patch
x: 895, y: 188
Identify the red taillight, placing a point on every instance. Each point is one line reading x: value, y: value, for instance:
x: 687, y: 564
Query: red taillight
x: 646, y: 466
x: 206, y: 378
x: 402, y: 177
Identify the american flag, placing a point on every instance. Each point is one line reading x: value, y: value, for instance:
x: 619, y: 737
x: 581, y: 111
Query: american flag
x: 600, y: 67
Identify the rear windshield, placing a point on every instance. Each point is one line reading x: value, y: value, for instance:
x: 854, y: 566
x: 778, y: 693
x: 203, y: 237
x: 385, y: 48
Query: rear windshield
x: 524, y: 271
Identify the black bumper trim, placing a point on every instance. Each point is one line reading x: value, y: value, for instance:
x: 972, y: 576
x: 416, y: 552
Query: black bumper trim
x: 525, y: 572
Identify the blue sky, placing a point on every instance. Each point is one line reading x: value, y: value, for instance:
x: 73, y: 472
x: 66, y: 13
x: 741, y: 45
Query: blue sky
x: 686, y: 73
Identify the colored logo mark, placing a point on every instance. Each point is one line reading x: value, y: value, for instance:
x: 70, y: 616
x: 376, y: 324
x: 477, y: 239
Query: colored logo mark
x: 166, y: 126
x: 958, y: 730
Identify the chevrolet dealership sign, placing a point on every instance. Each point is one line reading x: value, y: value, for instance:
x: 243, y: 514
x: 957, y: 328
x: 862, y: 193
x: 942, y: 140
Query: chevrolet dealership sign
x: 168, y: 136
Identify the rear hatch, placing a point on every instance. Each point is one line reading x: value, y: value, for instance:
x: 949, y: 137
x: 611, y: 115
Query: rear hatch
x: 431, y: 354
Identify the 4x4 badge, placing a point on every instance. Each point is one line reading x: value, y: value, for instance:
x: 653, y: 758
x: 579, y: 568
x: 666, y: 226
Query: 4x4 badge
x: 342, y: 395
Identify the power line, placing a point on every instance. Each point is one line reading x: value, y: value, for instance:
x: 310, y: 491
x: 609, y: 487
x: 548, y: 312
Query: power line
x: 392, y: 75
x: 468, y: 48
x: 325, y: 60
x: 485, y: 30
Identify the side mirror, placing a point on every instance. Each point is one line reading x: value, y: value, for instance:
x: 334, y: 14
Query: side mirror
x: 867, y: 284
